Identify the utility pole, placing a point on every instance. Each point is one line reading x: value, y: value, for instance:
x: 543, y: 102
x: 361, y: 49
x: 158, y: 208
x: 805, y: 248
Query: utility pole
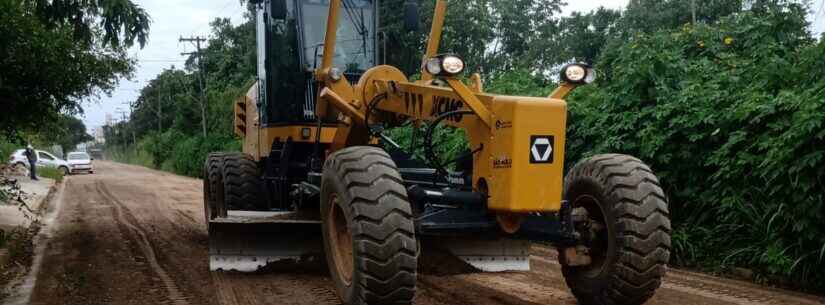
x: 160, y: 111
x: 123, y: 125
x: 693, y: 11
x: 197, y: 40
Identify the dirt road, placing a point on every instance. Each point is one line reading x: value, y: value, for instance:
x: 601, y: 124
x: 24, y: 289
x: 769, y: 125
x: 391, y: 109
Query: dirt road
x: 130, y: 235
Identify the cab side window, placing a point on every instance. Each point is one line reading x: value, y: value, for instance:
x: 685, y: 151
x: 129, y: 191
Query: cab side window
x: 44, y: 156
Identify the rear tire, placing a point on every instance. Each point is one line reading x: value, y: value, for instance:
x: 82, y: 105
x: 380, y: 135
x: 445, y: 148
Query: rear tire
x: 368, y: 231
x: 213, y: 202
x: 242, y: 186
x: 629, y: 254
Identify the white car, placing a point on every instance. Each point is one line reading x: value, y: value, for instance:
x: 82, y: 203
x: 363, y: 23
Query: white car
x: 80, y: 162
x: 18, y: 158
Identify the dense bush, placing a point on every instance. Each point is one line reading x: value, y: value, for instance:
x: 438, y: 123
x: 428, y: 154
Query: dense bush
x: 159, y: 146
x: 128, y: 154
x: 174, y: 152
x: 731, y: 118
x: 190, y: 154
x: 7, y: 147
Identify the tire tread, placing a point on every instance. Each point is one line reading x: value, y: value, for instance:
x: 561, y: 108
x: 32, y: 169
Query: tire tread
x: 642, y: 229
x: 382, y: 225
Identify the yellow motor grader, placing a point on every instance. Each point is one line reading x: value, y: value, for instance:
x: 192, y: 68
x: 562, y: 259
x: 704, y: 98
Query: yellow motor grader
x: 315, y: 179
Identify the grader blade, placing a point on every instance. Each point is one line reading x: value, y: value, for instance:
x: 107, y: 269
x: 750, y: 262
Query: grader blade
x: 246, y: 241
x: 490, y: 255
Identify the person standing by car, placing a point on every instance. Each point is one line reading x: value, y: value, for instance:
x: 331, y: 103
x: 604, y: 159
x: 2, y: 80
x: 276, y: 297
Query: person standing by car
x: 32, y: 156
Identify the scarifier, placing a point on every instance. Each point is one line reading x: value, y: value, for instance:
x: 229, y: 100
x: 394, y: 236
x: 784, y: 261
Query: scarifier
x: 314, y: 181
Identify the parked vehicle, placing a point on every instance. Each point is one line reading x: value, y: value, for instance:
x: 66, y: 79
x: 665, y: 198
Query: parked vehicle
x: 80, y: 162
x: 96, y: 153
x: 18, y: 158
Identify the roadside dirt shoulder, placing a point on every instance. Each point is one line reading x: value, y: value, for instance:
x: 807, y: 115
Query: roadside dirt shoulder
x: 22, y: 217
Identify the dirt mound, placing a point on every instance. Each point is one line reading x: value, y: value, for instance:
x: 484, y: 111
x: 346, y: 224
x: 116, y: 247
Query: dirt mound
x: 6, y: 170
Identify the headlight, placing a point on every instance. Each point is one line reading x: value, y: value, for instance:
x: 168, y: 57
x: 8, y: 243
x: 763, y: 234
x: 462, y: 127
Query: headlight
x: 578, y: 74
x: 452, y: 65
x: 444, y: 65
x: 433, y: 66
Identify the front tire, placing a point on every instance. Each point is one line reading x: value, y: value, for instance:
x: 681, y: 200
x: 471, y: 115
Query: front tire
x: 65, y: 170
x: 367, y: 228
x: 630, y: 244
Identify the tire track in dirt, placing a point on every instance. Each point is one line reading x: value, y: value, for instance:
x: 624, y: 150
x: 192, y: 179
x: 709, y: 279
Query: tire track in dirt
x: 292, y: 287
x: 173, y: 292
x: 764, y: 293
x: 227, y: 295
x: 709, y: 287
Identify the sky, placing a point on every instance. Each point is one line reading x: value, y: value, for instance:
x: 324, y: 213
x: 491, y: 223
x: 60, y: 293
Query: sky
x: 172, y: 19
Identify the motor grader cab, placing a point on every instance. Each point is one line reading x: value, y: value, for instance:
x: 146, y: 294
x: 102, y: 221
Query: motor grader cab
x: 314, y: 178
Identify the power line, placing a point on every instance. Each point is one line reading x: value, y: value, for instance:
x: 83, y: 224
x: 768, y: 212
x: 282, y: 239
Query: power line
x: 161, y: 60
x: 218, y: 13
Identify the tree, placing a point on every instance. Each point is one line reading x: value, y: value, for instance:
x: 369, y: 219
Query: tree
x: 122, y: 21
x: 491, y: 36
x: 652, y: 15
x: 68, y: 131
x: 55, y: 53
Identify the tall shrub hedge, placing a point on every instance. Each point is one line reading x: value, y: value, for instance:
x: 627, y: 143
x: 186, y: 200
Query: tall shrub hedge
x: 730, y: 116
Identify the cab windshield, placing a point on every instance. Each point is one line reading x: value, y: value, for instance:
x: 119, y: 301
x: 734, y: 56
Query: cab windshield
x: 354, y: 48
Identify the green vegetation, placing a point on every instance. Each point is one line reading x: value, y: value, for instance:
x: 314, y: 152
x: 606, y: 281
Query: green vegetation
x: 7, y: 147
x: 730, y: 115
x: 55, y: 53
x: 166, y: 118
x: 50, y: 172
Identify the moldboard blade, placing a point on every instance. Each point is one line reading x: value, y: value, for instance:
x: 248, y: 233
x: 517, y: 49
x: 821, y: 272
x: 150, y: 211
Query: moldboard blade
x: 494, y: 255
x: 247, y: 241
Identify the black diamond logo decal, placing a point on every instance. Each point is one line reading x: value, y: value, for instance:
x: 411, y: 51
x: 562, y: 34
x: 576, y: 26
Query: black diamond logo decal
x: 541, y: 149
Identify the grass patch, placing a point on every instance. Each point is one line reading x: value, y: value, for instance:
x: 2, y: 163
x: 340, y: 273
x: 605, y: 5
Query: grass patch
x: 7, y: 147
x: 50, y: 172
x: 129, y: 155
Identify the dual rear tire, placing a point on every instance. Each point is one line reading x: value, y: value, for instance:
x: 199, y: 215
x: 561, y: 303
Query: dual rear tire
x: 367, y: 222
x: 231, y: 182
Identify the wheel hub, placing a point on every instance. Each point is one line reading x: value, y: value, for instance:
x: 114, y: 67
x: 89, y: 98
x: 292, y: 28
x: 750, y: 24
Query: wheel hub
x: 340, y: 241
x: 590, y: 223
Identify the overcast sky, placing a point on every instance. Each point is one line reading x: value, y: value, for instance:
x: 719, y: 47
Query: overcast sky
x: 172, y: 19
